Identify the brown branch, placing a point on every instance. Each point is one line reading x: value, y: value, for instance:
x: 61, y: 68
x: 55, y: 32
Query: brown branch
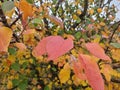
x: 19, y: 16
x: 116, y: 65
x: 115, y: 80
x: 81, y: 16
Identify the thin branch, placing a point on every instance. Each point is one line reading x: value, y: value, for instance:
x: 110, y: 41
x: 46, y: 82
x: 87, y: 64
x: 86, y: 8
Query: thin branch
x: 115, y: 80
x: 83, y: 13
x: 19, y: 16
x: 111, y: 37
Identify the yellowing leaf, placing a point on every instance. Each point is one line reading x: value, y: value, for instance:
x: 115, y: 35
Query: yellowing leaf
x: 5, y: 37
x: 107, y: 70
x: 92, y: 72
x: 97, y: 51
x: 64, y: 74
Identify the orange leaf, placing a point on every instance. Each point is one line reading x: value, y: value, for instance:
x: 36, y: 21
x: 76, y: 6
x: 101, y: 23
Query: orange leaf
x: 21, y: 46
x: 97, y: 51
x: 92, y: 72
x: 25, y: 8
x: 54, y: 46
x: 5, y: 37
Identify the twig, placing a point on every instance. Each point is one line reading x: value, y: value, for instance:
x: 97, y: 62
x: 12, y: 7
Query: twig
x: 19, y: 16
x: 83, y: 13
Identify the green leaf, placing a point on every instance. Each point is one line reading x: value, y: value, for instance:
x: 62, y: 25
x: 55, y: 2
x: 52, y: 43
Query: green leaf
x: 24, y: 65
x: 78, y: 35
x: 23, y: 85
x: 37, y: 21
x: 15, y: 82
x: 12, y: 51
x: 46, y: 88
x: 7, y: 6
x: 15, y: 66
x: 116, y: 45
x: 30, y: 1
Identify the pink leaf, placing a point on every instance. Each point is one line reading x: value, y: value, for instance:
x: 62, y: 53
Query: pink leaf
x: 92, y: 72
x: 54, y: 46
x: 97, y: 51
x: 40, y: 49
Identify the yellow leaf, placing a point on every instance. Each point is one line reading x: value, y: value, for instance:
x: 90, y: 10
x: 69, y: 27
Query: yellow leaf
x: 64, y: 74
x: 9, y: 85
x: 91, y: 11
x: 99, y: 10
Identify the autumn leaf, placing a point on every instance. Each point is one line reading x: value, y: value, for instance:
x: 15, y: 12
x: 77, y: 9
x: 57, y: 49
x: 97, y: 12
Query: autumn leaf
x: 97, y: 51
x: 54, y: 46
x: 5, y: 37
x: 92, y: 72
x: 56, y: 21
x: 25, y: 8
x: 64, y: 74
x: 21, y: 46
x: 107, y: 71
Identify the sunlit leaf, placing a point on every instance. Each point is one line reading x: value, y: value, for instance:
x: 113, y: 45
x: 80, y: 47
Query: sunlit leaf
x: 5, y: 37
x: 92, y: 72
x: 97, y: 51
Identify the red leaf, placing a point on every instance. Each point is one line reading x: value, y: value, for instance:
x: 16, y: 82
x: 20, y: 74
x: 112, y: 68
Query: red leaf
x: 97, y: 51
x: 92, y: 72
x: 54, y: 46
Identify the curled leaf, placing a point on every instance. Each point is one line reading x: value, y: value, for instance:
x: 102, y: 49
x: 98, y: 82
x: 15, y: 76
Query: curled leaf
x: 97, y: 51
x: 92, y: 72
x: 5, y: 37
